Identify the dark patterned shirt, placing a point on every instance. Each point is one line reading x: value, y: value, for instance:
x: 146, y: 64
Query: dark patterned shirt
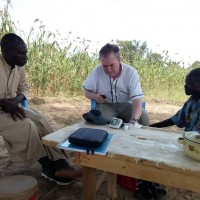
x: 188, y: 116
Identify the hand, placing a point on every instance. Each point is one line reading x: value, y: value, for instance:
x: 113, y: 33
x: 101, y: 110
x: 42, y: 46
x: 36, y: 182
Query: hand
x: 17, y: 99
x: 133, y: 121
x: 14, y: 110
x: 100, y: 98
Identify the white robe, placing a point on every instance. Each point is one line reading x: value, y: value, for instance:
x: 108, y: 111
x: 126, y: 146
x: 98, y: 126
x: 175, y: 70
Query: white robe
x: 22, y: 137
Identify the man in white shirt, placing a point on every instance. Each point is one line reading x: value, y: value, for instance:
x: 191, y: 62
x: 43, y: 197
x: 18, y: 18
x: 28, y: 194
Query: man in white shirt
x: 116, y: 88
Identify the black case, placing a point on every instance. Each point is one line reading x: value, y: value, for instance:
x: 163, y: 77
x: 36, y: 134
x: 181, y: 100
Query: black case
x: 88, y: 137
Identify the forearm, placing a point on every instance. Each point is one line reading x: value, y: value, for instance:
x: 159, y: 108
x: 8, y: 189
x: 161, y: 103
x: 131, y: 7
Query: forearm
x: 23, y: 86
x: 165, y: 123
x: 1, y: 102
x: 136, y: 109
x: 18, y: 98
x: 90, y: 95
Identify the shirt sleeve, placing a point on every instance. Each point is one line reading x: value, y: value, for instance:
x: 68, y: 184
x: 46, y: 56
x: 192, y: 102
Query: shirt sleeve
x: 135, y: 86
x: 91, y: 82
x: 23, y: 87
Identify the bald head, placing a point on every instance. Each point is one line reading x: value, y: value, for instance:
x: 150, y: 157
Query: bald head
x: 10, y: 41
x: 13, y: 49
x: 192, y: 83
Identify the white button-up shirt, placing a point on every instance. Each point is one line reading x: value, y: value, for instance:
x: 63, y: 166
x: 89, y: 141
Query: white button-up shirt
x: 121, y: 90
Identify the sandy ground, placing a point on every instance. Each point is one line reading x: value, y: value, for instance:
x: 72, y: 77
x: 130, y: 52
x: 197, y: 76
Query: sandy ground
x: 66, y: 111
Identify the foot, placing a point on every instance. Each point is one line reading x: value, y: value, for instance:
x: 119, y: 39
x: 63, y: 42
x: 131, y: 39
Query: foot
x: 58, y: 180
x: 148, y: 191
x: 69, y: 172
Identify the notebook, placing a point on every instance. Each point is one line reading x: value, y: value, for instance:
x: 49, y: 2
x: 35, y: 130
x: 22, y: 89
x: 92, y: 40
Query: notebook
x: 99, y: 150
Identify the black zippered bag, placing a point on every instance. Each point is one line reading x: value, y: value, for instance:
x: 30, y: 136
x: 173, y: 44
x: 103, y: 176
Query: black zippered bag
x: 88, y: 137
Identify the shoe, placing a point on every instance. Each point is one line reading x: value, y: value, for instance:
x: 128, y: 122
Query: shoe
x: 149, y: 191
x: 69, y: 172
x: 63, y: 169
x: 142, y: 194
x: 58, y: 180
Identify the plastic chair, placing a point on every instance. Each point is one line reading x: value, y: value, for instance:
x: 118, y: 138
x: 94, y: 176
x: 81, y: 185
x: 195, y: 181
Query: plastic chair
x: 94, y: 104
x: 25, y: 103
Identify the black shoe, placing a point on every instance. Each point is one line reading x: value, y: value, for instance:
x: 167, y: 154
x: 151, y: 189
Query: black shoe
x: 158, y: 191
x: 59, y: 181
x: 48, y: 171
x: 149, y: 191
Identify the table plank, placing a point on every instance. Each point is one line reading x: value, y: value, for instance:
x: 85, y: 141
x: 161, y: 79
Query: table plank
x: 156, y: 147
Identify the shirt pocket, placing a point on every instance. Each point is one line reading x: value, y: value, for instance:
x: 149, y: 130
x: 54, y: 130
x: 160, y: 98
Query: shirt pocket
x: 124, y: 95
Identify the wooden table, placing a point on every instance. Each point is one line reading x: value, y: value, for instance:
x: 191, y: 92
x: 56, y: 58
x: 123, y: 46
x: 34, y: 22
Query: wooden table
x: 150, y: 154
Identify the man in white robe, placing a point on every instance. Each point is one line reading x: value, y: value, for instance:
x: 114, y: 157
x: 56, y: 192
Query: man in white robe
x: 22, y: 129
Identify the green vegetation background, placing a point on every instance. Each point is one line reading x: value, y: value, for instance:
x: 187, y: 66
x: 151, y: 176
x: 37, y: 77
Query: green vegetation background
x: 59, y: 66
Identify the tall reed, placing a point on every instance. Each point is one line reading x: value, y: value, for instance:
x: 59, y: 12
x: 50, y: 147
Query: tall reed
x: 59, y: 66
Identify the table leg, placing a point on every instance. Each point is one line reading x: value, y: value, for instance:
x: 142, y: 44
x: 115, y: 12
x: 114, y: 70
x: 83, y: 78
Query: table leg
x: 89, y: 183
x: 112, y: 185
x: 100, y: 180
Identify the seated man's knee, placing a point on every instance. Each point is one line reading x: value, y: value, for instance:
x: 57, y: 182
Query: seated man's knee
x: 144, y: 118
x: 107, y: 112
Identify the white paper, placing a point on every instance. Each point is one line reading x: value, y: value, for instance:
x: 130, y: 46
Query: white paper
x: 128, y: 126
